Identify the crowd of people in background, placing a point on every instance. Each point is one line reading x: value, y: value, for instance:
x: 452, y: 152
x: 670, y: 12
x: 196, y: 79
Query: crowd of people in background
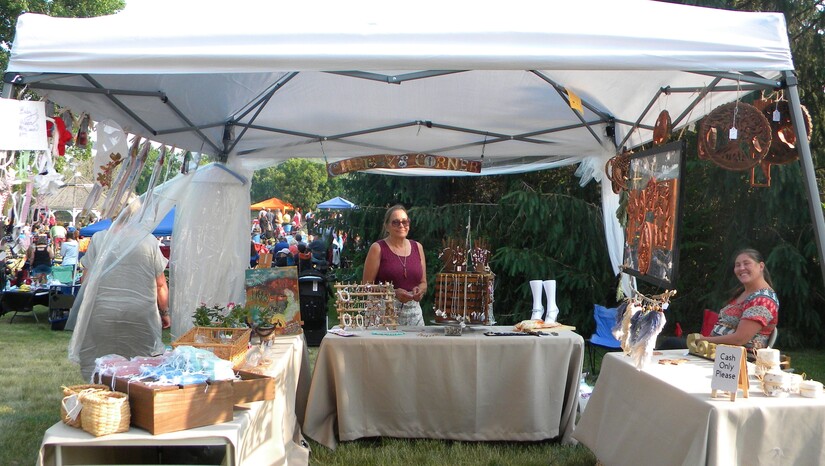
x: 30, y: 251
x: 294, y: 240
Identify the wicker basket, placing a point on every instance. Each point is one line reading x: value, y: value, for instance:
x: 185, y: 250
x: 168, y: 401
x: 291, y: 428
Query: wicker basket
x: 105, y: 413
x: 227, y: 343
x: 76, y: 390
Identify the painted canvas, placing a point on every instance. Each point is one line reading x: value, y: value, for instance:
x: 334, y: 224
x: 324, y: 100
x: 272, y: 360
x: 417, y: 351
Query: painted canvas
x: 272, y: 297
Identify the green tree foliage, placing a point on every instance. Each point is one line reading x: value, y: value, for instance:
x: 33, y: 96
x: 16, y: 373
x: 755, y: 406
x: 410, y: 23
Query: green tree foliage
x: 301, y: 182
x: 171, y: 167
x: 539, y: 226
x: 11, y: 9
x: 722, y: 213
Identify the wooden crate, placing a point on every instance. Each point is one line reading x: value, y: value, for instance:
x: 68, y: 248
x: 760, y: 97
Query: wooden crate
x: 162, y: 409
x: 227, y: 343
x: 464, y: 294
x: 252, y: 387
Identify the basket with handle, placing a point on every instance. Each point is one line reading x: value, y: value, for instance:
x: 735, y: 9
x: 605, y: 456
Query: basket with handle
x: 104, y: 413
x: 75, y: 391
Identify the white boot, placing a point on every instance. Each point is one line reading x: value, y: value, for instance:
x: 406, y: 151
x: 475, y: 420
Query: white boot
x: 552, y: 308
x: 538, y: 311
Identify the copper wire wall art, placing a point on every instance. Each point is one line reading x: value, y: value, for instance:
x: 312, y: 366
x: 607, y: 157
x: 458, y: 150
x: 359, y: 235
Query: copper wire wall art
x: 651, y: 232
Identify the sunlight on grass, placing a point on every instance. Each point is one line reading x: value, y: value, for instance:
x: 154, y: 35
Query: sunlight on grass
x: 34, y: 367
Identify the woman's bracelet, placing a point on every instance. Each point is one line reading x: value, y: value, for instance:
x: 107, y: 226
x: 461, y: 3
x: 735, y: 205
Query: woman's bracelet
x: 163, y: 313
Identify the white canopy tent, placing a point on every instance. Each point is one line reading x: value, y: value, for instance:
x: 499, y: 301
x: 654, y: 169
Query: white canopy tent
x: 257, y: 82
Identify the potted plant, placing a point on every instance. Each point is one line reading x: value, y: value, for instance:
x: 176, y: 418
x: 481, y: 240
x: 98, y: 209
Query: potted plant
x: 232, y: 315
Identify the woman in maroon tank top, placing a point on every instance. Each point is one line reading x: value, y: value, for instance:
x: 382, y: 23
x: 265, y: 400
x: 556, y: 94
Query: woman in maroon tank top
x: 400, y: 261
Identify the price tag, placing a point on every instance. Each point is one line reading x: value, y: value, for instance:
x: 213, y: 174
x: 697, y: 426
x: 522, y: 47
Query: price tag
x: 776, y: 115
x: 72, y: 406
x: 732, y: 134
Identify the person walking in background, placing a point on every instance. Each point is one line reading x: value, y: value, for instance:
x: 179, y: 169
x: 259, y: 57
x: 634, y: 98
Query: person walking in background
x: 58, y: 235
x: 40, y: 256
x: 69, y: 249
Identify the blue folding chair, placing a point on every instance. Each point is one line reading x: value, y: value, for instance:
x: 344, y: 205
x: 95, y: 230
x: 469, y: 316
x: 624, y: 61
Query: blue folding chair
x: 603, y: 338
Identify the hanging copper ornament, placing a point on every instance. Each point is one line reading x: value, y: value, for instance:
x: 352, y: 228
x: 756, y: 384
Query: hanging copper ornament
x: 749, y: 147
x: 645, y: 249
x: 662, y: 129
x: 784, y: 147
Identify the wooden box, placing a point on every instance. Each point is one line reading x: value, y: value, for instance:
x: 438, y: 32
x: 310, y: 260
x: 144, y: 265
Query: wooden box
x: 252, y: 387
x: 172, y: 408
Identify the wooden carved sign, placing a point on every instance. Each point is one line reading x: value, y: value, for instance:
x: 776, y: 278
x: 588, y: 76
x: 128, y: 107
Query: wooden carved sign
x: 398, y: 162
x: 651, y: 240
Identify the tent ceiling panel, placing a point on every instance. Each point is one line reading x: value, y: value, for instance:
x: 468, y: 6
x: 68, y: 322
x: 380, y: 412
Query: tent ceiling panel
x: 291, y: 83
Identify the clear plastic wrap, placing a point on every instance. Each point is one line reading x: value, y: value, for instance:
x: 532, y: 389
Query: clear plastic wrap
x: 210, y: 244
x: 126, y: 320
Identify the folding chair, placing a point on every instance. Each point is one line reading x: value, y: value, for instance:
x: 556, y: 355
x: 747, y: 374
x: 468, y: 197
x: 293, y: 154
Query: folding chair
x: 64, y: 274
x: 603, y: 338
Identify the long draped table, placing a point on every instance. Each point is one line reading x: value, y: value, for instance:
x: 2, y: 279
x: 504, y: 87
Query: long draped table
x: 664, y: 415
x: 423, y: 384
x: 264, y: 432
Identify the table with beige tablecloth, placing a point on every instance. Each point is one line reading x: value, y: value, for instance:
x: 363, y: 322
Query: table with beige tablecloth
x: 665, y: 415
x: 263, y: 432
x: 423, y: 384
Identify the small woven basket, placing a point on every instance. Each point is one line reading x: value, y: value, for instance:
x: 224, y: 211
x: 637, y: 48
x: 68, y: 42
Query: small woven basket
x: 104, y: 413
x: 76, y: 390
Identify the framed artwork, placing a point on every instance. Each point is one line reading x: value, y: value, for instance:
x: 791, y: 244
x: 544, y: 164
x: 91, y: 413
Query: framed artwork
x: 654, y: 189
x: 273, y: 293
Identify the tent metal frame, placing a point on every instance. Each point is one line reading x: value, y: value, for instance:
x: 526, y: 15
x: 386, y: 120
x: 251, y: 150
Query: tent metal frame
x: 745, y: 82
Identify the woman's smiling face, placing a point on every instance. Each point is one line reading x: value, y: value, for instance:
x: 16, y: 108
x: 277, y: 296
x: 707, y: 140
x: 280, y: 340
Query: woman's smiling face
x: 747, y: 269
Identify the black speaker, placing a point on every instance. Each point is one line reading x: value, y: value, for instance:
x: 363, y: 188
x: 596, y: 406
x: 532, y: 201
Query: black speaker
x: 313, y: 295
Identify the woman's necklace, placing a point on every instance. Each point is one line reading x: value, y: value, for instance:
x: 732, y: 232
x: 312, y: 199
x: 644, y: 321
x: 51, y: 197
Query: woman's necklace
x: 403, y: 261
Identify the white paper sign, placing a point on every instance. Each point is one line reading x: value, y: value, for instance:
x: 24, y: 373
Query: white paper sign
x: 23, y: 125
x: 726, y: 368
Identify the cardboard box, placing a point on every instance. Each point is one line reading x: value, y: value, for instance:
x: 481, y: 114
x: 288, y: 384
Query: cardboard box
x: 169, y: 409
x: 252, y: 387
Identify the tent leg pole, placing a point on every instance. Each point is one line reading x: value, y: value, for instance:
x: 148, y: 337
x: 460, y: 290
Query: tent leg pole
x: 8, y: 90
x: 808, y: 173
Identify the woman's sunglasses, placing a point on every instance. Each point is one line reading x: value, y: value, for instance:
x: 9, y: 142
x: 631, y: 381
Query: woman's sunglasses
x: 397, y: 223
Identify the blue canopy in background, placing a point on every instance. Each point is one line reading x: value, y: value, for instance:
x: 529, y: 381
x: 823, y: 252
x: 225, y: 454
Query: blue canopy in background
x: 163, y: 229
x: 337, y: 203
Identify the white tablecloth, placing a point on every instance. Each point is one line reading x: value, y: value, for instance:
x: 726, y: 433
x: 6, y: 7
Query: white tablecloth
x: 664, y: 415
x: 472, y: 387
x: 264, y: 432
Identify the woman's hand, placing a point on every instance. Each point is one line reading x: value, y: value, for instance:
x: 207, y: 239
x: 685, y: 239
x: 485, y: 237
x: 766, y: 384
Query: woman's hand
x: 418, y: 293
x: 403, y: 295
x: 165, y: 321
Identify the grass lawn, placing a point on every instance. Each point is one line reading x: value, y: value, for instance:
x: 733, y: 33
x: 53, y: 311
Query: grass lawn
x: 34, y: 367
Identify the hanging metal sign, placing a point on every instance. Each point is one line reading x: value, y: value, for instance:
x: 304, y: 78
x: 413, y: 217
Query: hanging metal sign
x: 399, y: 162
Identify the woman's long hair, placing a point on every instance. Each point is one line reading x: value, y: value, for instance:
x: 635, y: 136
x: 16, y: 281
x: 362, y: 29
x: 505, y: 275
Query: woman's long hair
x: 757, y: 257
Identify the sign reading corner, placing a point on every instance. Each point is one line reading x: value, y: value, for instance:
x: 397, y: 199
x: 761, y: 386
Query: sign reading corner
x: 400, y: 162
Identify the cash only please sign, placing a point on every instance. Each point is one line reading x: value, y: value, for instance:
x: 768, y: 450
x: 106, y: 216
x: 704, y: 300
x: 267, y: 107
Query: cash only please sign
x: 730, y: 371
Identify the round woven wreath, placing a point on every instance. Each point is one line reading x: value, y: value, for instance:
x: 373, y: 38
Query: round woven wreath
x: 617, y: 169
x: 748, y: 149
x: 783, y: 141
